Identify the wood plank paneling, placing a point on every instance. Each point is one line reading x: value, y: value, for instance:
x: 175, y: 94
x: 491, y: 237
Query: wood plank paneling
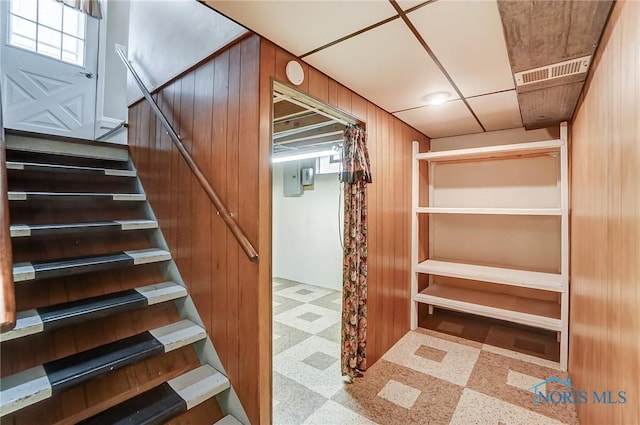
x: 248, y: 215
x: 318, y: 84
x: 214, y: 108
x: 218, y: 176
x: 183, y: 254
x: 604, y: 347
x: 267, y: 69
x: 233, y: 150
x: 232, y: 184
x: 389, y: 142
x: 200, y: 230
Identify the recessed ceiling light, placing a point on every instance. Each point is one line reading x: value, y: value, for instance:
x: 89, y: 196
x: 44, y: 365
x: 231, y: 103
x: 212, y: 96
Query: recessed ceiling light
x: 437, y: 98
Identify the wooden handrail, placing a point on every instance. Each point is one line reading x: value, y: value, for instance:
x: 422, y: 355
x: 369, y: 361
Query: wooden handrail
x: 227, y: 217
x: 7, y: 302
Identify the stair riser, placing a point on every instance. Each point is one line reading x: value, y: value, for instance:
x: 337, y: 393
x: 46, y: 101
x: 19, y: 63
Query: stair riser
x: 71, y: 170
x: 19, y: 196
x: 154, y: 407
x: 48, y: 181
x: 33, y: 157
x: 30, y: 386
x: 113, y: 226
x: 75, y: 212
x: 56, y: 316
x: 81, y: 367
x: 90, y: 311
x: 69, y: 267
x: 166, y: 401
x: 65, y: 147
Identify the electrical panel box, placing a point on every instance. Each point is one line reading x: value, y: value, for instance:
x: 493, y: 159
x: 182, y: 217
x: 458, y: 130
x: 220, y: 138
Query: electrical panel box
x: 307, y: 176
x: 291, y: 180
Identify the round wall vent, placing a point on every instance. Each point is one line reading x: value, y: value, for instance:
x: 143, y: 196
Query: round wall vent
x: 295, y: 73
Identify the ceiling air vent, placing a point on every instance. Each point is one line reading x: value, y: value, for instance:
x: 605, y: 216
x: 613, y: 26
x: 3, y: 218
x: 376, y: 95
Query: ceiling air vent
x: 556, y: 70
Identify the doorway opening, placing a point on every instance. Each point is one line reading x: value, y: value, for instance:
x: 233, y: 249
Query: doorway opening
x: 49, y: 68
x: 307, y: 226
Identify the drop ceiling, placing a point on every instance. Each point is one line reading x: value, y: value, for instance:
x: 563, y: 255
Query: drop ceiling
x: 394, y: 53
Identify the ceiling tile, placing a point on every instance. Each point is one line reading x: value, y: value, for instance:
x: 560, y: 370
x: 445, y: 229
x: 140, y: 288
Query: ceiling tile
x: 386, y: 65
x: 497, y: 111
x: 408, y: 4
x: 467, y: 38
x: 449, y: 119
x: 301, y: 26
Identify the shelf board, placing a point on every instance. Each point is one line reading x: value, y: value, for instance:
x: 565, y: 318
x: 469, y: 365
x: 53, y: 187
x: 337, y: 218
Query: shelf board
x: 488, y: 152
x: 526, y: 311
x: 489, y: 211
x: 513, y: 277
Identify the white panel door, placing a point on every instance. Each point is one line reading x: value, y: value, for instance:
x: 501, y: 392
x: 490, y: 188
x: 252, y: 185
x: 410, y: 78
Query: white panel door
x: 41, y: 92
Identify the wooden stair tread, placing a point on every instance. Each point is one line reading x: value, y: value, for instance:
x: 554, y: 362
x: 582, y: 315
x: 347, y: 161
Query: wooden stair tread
x: 70, y: 266
x: 25, y: 230
x: 23, y: 196
x: 38, y: 320
x: 32, y: 385
x: 65, y: 146
x: 167, y: 400
x: 35, y: 166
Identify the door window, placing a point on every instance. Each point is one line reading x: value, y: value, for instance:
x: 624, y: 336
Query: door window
x: 49, y: 28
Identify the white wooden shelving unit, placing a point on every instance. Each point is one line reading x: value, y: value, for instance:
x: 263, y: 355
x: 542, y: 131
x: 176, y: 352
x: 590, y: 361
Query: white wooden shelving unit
x: 550, y: 312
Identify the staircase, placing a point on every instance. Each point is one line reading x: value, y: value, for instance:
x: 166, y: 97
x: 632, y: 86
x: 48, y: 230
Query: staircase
x: 106, y: 332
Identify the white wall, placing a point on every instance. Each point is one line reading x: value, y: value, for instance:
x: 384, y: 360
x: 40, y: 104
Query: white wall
x: 166, y: 37
x: 306, y: 234
x: 111, y: 104
x: 115, y: 73
x: 491, y: 138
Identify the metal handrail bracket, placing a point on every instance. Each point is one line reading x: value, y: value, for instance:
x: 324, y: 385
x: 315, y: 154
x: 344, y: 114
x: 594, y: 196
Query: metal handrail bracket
x: 211, y: 193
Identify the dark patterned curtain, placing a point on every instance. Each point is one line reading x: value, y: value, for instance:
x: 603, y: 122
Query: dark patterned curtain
x: 355, y: 175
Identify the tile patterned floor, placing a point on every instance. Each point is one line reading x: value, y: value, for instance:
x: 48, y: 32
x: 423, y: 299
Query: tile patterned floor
x: 429, y: 377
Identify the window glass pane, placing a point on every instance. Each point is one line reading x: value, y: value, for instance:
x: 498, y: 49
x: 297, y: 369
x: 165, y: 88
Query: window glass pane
x: 24, y: 42
x: 25, y: 8
x: 50, y: 13
x: 72, y: 49
x: 73, y: 22
x: 22, y: 27
x: 49, y: 42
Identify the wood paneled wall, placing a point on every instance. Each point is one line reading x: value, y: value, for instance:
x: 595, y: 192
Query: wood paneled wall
x: 389, y: 142
x: 604, y: 342
x: 214, y: 108
x: 222, y: 109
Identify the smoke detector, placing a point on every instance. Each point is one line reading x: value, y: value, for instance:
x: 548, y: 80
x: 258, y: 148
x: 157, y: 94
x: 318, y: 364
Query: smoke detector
x: 556, y: 70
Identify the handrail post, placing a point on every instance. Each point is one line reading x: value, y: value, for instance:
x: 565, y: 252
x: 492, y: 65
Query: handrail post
x: 7, y: 302
x: 211, y: 193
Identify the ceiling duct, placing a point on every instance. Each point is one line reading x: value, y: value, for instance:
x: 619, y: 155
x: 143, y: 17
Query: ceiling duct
x: 556, y: 70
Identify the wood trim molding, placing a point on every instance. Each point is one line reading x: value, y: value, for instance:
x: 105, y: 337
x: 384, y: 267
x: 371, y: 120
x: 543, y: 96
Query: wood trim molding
x: 7, y: 302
